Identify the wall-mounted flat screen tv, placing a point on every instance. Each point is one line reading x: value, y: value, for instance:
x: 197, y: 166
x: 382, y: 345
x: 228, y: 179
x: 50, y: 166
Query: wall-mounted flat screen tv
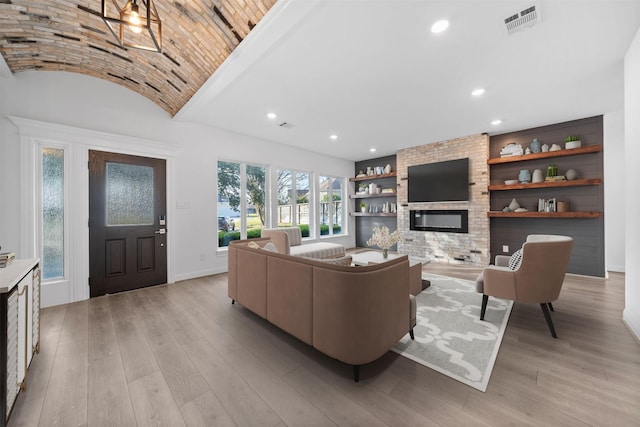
x: 439, y: 182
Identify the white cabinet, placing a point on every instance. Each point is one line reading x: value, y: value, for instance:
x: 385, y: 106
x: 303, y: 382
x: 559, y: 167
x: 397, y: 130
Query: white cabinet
x: 19, y: 328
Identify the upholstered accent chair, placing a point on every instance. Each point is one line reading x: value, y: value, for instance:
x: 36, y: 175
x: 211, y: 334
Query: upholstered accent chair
x: 536, y: 280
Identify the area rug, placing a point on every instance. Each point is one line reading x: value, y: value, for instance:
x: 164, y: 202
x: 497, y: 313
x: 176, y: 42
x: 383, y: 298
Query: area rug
x: 449, y: 335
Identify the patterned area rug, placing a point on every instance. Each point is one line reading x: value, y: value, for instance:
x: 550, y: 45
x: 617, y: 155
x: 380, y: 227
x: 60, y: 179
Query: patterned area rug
x: 450, y: 337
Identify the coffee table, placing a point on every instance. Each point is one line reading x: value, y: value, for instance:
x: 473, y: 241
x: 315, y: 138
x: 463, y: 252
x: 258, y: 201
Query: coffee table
x: 417, y: 285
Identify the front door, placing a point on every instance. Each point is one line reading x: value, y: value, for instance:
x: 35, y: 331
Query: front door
x: 127, y: 222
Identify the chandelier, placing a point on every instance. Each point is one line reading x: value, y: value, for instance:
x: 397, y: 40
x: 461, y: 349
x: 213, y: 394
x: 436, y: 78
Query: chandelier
x: 136, y: 24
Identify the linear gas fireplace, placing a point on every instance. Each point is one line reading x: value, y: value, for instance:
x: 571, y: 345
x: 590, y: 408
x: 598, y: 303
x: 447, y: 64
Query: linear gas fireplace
x: 443, y: 221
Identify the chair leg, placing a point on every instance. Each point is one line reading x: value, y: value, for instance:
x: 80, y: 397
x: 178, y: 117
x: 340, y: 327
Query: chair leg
x: 356, y: 373
x: 547, y: 316
x: 550, y: 306
x: 411, y: 334
x: 485, y: 299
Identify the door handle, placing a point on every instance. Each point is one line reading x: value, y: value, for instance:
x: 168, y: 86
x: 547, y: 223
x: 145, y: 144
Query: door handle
x: 161, y: 231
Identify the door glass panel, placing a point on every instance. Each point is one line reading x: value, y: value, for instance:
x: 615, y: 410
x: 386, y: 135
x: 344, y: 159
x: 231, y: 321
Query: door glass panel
x: 52, y: 213
x: 129, y: 190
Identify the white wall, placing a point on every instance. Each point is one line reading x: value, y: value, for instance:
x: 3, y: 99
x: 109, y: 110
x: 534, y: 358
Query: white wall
x: 631, y: 314
x: 90, y: 103
x: 614, y: 184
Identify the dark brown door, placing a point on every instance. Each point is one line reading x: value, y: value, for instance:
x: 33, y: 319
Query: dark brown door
x: 127, y: 222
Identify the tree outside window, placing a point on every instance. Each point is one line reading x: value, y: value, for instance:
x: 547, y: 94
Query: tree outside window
x: 293, y: 200
x: 235, y: 219
x: 331, y: 205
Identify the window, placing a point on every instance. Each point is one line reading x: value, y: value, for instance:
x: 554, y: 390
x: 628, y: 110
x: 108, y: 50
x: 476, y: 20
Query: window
x: 331, y: 205
x: 53, y: 244
x: 241, y: 201
x: 294, y: 194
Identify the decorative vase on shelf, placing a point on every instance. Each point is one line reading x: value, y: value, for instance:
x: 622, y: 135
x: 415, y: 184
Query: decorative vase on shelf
x: 387, y: 169
x: 537, y: 176
x: 524, y: 176
x: 571, y: 174
x: 544, y: 148
x: 514, y: 205
x: 535, y: 146
x: 385, y: 253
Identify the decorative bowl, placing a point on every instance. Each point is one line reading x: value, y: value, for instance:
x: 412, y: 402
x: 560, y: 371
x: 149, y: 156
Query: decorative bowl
x: 511, y: 182
x: 572, y: 144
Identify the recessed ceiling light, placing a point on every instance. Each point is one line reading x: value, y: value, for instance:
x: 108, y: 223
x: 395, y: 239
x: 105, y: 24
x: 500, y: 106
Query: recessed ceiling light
x: 373, y: 150
x: 496, y: 122
x: 440, y: 26
x: 333, y: 137
x: 478, y: 92
x: 271, y: 116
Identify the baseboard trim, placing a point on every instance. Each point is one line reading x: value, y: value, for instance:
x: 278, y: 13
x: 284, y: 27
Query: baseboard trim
x: 201, y: 273
x: 616, y: 268
x: 633, y: 325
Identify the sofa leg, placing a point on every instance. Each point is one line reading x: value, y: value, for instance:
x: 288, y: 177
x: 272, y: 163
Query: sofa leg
x: 356, y: 373
x: 411, y: 334
x: 483, y: 309
x: 233, y: 301
x: 547, y: 316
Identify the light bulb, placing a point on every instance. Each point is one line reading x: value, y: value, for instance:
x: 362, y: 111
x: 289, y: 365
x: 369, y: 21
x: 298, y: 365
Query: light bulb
x: 134, y: 18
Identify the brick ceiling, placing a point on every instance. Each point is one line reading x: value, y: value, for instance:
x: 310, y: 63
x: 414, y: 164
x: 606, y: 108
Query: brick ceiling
x: 63, y: 35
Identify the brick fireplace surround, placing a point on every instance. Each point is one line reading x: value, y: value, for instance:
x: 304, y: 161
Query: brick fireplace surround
x: 470, y: 248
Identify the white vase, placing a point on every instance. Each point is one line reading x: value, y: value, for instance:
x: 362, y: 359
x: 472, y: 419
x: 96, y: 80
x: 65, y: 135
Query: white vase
x: 537, y: 176
x: 387, y: 169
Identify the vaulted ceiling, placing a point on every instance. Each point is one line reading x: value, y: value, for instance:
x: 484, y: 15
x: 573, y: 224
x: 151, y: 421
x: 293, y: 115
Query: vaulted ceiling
x: 346, y: 77
x: 63, y: 35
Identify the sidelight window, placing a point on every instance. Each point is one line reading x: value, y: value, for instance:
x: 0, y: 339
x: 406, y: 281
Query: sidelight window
x: 52, y: 220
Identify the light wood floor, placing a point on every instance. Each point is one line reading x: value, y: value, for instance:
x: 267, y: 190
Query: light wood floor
x: 183, y: 355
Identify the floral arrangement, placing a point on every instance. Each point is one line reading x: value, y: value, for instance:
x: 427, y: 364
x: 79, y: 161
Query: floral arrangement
x: 383, y: 239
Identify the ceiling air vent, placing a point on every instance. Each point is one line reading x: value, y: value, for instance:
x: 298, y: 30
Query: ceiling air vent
x: 523, y: 19
x: 286, y: 125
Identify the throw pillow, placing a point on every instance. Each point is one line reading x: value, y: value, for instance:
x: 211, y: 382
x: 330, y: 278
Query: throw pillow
x: 344, y: 260
x: 515, y: 260
x: 253, y: 245
x: 270, y: 247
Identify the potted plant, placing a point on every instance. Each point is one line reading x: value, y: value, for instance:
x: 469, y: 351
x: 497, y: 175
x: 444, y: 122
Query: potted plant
x: 572, y: 141
x: 363, y: 207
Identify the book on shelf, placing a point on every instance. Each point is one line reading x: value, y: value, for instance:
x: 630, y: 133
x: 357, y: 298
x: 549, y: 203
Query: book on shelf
x: 7, y: 255
x: 6, y: 258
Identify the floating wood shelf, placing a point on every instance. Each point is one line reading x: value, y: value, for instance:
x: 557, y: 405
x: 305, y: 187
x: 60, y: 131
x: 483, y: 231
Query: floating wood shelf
x: 548, y: 154
x: 574, y: 183
x: 372, y: 214
x: 500, y: 214
x: 369, y: 196
x: 371, y: 177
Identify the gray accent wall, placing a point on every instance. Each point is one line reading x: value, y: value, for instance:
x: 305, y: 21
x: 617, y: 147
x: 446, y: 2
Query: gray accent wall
x: 588, y: 255
x: 365, y: 224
